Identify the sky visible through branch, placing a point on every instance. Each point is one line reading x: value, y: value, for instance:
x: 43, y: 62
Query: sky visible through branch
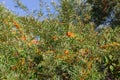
x: 32, y: 5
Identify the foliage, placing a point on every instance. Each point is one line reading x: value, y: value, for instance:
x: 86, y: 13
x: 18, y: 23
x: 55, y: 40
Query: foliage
x: 47, y: 50
x: 75, y: 10
x: 102, y: 9
x: 97, y: 11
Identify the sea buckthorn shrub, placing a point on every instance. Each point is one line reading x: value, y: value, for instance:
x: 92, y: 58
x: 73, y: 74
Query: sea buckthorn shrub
x: 46, y: 50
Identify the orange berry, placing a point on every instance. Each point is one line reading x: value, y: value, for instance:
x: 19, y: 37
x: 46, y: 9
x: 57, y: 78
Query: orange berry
x: 16, y: 24
x: 66, y: 52
x: 70, y: 34
x: 24, y: 38
x: 104, y: 46
x: 54, y: 38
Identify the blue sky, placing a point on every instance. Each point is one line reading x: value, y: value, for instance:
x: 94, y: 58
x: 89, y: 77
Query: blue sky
x: 31, y: 4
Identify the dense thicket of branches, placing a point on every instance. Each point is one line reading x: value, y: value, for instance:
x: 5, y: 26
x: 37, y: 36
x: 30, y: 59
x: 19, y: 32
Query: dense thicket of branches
x: 99, y: 11
x: 102, y: 9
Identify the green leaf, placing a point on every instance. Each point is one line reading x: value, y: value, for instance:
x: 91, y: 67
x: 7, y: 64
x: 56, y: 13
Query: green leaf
x: 111, y: 57
x: 111, y: 68
x: 106, y: 60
